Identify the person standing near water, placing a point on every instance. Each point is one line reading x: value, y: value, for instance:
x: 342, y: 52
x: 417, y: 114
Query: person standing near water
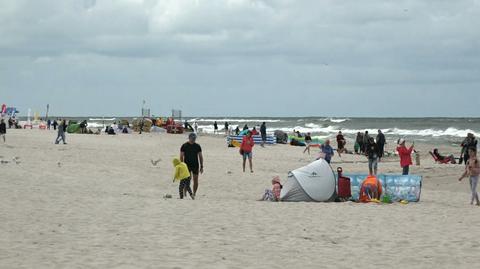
x: 472, y: 170
x: 469, y: 142
x: 340, y: 143
x: 3, y: 129
x: 405, y: 155
x: 246, y: 150
x: 191, y: 154
x: 215, y: 127
x: 263, y: 133
x: 381, y: 141
x: 359, y: 143
x: 227, y: 128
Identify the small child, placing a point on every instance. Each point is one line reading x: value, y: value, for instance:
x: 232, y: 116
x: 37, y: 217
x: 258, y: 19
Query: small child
x: 182, y: 174
x: 273, y: 195
x: 472, y: 170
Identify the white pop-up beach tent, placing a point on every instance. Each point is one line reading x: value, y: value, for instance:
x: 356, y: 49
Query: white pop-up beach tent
x: 312, y: 183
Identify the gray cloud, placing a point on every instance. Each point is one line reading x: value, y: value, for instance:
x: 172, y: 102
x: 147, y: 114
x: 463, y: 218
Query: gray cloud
x: 204, y: 56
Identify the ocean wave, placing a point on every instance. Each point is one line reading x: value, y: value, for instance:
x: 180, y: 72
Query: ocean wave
x: 335, y: 120
x: 233, y: 120
x: 338, y: 120
x: 332, y: 130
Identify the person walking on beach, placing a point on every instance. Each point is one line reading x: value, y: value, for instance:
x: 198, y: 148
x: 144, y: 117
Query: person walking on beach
x: 191, y: 154
x: 61, y: 132
x: 340, y: 143
x: 381, y: 141
x: 246, y: 150
x: 263, y: 133
x: 327, y: 151
x: 215, y: 127
x: 472, y: 170
x: 3, y: 130
x: 359, y: 143
x: 195, y: 127
x: 373, y: 156
x: 405, y: 155
x: 308, y: 143
x: 183, y: 175
x: 55, y: 124
x: 49, y: 123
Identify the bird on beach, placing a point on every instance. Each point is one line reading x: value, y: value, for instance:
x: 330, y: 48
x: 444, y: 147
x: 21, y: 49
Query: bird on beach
x: 155, y: 163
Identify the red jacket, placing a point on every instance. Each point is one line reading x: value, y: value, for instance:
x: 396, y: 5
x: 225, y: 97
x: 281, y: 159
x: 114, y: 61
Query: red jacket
x: 247, y: 144
x: 405, y: 155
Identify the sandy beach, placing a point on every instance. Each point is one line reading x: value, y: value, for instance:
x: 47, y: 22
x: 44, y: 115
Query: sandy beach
x: 98, y: 203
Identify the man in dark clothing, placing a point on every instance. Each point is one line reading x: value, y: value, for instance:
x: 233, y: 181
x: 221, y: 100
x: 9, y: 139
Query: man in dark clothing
x: 366, y: 139
x: 10, y: 123
x: 49, y: 123
x: 3, y: 130
x: 263, y: 133
x: 469, y: 142
x: 191, y: 154
x: 61, y: 132
x: 55, y: 124
x: 215, y: 127
x: 340, y: 143
x: 359, y: 142
x: 381, y: 141
x: 226, y: 128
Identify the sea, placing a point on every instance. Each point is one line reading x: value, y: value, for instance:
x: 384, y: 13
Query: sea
x: 429, y: 130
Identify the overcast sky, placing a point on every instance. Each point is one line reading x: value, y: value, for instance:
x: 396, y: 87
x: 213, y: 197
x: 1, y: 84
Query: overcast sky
x: 242, y: 57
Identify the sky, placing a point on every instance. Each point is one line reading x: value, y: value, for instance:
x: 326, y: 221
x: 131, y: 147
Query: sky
x: 272, y: 58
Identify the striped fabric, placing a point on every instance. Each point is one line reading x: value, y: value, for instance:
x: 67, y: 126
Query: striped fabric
x: 272, y: 140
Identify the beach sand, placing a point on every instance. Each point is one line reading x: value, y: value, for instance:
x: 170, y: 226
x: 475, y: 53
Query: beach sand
x: 98, y: 203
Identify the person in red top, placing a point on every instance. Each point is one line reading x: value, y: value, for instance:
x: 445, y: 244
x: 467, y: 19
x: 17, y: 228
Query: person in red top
x: 246, y: 150
x: 405, y: 155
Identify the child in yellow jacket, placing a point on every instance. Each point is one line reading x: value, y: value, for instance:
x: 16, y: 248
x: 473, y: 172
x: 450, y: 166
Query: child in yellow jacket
x: 182, y: 174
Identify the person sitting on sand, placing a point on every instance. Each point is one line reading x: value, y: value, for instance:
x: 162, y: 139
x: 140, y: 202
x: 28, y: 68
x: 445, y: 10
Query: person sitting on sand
x: 246, y: 150
x: 237, y: 131
x: 183, y: 175
x: 111, y: 131
x: 472, y: 170
x: 442, y: 158
x: 273, y: 195
x: 327, y: 151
